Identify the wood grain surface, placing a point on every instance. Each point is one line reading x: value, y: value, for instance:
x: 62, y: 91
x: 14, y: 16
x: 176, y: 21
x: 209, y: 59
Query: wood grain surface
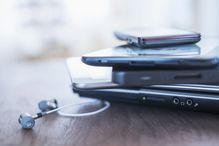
x: 23, y: 85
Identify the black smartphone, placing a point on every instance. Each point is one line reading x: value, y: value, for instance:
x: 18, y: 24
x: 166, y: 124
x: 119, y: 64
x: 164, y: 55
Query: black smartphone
x: 157, y: 37
x: 175, y: 57
x: 140, y: 78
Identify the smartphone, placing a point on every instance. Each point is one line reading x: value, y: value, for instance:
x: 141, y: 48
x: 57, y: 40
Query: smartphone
x: 175, y: 57
x: 140, y: 78
x: 157, y: 37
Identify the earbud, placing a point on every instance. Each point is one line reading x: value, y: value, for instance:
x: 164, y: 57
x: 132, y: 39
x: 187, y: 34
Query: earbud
x: 26, y: 121
x: 46, y: 105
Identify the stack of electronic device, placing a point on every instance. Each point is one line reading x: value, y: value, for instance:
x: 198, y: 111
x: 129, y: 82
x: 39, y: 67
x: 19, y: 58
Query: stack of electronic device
x: 162, y: 67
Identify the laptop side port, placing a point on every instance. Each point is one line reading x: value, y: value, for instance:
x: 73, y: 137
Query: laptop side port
x: 176, y: 100
x: 189, y: 102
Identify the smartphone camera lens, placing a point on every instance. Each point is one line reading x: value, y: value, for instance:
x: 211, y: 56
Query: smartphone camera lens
x: 189, y: 102
x: 176, y: 100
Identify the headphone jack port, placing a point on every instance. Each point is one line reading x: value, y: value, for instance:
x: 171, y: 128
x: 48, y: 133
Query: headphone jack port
x: 176, y: 100
x: 189, y: 102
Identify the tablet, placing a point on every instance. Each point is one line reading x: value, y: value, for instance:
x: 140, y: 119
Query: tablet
x: 203, y: 55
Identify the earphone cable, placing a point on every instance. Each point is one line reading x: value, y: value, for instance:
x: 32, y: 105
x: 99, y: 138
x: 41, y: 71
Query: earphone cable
x: 106, y: 106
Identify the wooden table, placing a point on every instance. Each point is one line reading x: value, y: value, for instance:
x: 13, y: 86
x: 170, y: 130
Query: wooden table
x: 23, y: 84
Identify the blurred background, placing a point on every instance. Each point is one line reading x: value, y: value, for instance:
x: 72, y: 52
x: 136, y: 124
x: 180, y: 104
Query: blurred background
x: 47, y: 29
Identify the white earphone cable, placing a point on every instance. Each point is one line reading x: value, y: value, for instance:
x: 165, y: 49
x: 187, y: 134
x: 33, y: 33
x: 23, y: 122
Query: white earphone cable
x: 106, y: 106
